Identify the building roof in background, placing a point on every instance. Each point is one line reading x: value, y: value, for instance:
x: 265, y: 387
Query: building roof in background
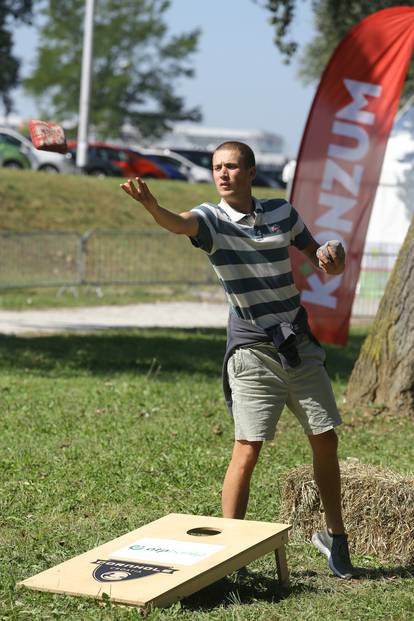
x: 193, y: 136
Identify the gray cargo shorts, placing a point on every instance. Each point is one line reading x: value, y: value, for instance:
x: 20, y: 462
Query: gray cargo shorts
x: 261, y: 388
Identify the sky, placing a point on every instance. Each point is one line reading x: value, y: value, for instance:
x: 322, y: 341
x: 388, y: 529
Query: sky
x: 241, y: 81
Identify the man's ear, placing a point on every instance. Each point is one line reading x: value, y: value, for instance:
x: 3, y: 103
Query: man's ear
x: 252, y: 172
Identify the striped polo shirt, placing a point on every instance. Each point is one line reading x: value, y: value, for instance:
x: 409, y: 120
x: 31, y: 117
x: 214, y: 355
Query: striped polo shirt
x: 250, y: 255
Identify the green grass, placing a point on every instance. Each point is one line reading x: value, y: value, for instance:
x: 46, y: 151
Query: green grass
x: 32, y: 201
x: 101, y: 434
x: 373, y: 283
x: 70, y: 297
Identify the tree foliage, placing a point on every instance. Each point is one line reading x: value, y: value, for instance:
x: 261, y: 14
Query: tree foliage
x: 135, y: 69
x: 281, y: 18
x: 333, y: 19
x: 11, y: 11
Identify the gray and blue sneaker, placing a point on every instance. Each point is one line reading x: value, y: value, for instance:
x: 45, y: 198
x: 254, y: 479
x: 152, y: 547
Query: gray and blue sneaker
x: 243, y: 576
x: 335, y: 548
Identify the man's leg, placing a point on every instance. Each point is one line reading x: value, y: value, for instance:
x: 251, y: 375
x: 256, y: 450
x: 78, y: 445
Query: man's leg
x: 312, y: 400
x: 328, y: 478
x: 236, y: 485
x: 332, y: 541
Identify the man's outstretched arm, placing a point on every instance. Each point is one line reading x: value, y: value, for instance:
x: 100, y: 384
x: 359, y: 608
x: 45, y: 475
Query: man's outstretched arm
x: 185, y: 223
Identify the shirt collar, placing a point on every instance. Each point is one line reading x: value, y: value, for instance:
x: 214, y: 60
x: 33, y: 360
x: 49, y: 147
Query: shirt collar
x: 235, y: 215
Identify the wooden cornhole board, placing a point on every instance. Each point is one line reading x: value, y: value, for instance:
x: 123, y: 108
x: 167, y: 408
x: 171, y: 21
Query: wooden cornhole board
x: 166, y: 560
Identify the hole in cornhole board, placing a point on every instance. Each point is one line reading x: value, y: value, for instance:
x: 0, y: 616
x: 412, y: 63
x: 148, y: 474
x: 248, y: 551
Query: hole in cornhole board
x: 203, y: 531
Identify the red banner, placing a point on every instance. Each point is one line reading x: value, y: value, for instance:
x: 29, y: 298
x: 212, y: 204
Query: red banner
x: 341, y: 154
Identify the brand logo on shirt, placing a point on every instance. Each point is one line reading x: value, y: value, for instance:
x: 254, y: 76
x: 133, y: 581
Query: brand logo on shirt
x: 275, y: 228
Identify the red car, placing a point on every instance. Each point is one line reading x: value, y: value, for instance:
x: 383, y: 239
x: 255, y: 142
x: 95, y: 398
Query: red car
x: 129, y: 163
x: 140, y: 166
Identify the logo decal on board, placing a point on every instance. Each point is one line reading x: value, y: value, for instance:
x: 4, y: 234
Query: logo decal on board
x: 112, y: 570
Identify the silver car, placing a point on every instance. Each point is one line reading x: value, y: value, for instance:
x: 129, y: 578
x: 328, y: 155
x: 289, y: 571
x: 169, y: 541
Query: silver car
x: 45, y: 161
x: 194, y: 173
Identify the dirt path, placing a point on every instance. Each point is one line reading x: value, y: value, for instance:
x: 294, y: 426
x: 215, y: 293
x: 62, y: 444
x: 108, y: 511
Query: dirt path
x: 90, y: 319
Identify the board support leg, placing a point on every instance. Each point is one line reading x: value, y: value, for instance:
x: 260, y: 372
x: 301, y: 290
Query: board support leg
x: 282, y: 568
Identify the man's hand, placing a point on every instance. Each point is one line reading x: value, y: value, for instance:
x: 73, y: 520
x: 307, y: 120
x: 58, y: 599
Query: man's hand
x: 140, y: 193
x: 331, y: 257
x: 185, y: 223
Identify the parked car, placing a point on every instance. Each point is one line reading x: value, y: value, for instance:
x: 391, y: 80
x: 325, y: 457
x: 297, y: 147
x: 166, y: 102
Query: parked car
x: 193, y: 172
x: 12, y: 157
x: 264, y: 181
x: 272, y: 173
x: 99, y: 164
x: 200, y: 157
x: 110, y: 160
x: 141, y: 166
x: 203, y: 159
x: 172, y: 170
x: 46, y: 161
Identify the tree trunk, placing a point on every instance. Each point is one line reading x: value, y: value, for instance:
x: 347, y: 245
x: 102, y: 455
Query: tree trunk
x: 384, y: 372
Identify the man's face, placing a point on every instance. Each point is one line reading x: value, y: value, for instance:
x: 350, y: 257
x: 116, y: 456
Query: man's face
x: 232, y: 178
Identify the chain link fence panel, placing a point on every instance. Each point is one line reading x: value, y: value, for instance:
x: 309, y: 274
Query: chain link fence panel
x: 375, y: 271
x: 136, y: 257
x: 44, y: 259
x: 96, y: 258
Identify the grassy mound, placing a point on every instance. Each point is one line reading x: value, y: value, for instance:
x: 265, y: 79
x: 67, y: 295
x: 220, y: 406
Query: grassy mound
x: 39, y: 201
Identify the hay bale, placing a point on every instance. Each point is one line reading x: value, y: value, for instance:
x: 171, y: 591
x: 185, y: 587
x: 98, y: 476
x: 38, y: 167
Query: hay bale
x: 378, y: 509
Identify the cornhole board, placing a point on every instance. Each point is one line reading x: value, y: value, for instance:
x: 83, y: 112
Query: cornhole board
x: 166, y: 560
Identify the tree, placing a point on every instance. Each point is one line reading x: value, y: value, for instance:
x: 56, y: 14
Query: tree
x: 333, y: 19
x: 11, y: 11
x: 135, y: 71
x: 384, y: 372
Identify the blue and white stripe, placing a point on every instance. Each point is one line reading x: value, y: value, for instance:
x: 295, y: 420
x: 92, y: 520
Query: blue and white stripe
x: 250, y: 255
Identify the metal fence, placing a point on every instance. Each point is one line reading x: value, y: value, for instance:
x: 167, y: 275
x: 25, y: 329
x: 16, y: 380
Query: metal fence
x: 97, y: 258
x: 49, y: 259
x: 376, y: 268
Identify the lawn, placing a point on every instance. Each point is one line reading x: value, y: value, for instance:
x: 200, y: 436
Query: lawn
x: 123, y: 244
x: 103, y: 433
x: 72, y: 297
x: 34, y: 201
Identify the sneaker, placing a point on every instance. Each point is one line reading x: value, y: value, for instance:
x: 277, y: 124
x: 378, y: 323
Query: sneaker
x: 335, y: 548
x: 242, y: 574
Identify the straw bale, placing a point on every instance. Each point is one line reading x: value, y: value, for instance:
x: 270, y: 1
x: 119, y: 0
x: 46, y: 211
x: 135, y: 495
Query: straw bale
x: 378, y: 509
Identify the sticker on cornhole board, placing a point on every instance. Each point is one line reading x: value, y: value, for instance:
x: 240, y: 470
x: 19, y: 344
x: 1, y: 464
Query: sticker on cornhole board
x: 115, y: 569
x: 167, y: 551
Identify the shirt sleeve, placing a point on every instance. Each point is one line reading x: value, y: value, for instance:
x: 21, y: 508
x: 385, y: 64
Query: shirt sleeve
x: 206, y: 231
x: 299, y: 233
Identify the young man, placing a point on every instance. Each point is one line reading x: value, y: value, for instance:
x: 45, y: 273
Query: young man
x: 272, y: 359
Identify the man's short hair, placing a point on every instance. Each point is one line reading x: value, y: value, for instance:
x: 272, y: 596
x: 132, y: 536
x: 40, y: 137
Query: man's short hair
x: 245, y: 151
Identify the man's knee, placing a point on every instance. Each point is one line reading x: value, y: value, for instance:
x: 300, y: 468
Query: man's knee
x: 324, y: 443
x: 246, y: 454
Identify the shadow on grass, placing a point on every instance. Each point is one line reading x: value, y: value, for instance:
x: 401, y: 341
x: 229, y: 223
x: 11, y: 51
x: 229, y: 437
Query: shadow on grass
x: 143, y: 352
x: 368, y: 573
x: 340, y: 360
x: 258, y: 587
x: 227, y: 592
x: 385, y: 573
